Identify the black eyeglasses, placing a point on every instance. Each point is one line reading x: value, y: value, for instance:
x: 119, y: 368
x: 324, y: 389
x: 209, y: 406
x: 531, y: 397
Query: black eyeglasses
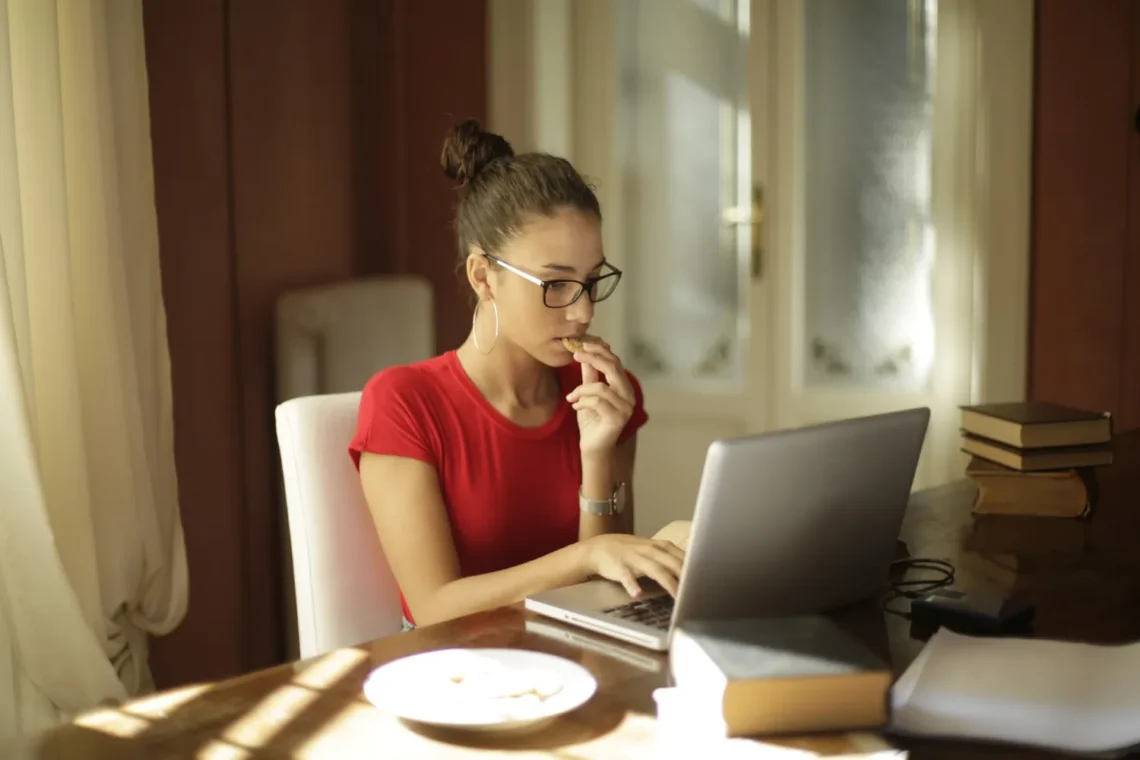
x: 558, y: 294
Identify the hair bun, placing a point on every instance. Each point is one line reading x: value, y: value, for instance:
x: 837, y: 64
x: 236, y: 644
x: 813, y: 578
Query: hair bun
x: 467, y: 149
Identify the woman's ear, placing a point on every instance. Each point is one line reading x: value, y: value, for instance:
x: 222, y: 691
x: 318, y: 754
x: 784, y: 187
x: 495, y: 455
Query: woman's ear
x: 478, y: 273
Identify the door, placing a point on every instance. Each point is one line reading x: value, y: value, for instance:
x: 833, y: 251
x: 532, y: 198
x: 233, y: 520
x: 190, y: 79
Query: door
x: 775, y: 202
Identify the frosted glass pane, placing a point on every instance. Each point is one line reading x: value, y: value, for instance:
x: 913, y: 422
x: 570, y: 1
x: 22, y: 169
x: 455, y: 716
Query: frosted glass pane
x: 679, y: 109
x: 722, y: 8
x: 868, y: 241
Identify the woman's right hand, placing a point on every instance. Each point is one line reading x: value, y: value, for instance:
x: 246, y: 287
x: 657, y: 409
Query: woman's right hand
x: 623, y: 558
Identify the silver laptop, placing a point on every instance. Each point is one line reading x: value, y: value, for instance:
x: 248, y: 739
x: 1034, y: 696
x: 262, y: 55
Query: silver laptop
x: 794, y: 522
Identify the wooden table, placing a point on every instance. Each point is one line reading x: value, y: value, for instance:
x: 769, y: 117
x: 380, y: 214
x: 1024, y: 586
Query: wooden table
x: 1083, y: 576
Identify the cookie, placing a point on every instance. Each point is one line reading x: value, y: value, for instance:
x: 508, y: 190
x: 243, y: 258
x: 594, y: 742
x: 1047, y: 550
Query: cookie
x: 576, y: 344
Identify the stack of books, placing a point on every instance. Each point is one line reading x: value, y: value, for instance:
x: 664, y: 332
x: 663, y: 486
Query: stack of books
x: 1035, y: 457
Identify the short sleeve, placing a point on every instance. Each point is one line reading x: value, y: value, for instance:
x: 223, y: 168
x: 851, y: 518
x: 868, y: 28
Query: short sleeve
x: 639, y: 416
x: 393, y: 418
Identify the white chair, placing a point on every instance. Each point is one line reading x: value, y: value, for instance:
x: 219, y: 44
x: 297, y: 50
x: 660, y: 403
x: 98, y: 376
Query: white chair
x: 332, y: 338
x: 345, y: 592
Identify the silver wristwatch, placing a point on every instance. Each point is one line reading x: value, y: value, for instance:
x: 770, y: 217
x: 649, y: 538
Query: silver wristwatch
x: 614, y: 505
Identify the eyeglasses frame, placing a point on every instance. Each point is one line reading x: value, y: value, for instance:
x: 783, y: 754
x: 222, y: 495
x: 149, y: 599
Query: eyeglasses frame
x: 545, y: 284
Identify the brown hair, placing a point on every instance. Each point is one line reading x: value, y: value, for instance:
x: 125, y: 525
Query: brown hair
x: 501, y: 189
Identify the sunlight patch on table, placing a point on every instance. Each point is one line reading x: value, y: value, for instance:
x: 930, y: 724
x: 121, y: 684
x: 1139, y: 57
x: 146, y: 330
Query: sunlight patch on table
x: 114, y: 723
x: 158, y: 706
x: 217, y: 750
x: 330, y: 668
x: 269, y: 716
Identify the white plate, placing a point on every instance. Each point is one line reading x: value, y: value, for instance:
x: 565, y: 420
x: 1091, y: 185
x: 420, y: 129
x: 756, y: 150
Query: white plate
x: 476, y: 688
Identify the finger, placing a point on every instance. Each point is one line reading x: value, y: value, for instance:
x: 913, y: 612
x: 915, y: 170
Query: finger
x: 589, y: 373
x: 604, y: 409
x: 658, y: 572
x: 611, y: 368
x: 597, y: 389
x: 607, y: 363
x: 601, y: 412
x: 667, y: 559
x: 671, y: 548
x: 627, y: 579
x: 593, y: 342
x: 618, y: 410
x: 599, y: 346
x: 602, y: 391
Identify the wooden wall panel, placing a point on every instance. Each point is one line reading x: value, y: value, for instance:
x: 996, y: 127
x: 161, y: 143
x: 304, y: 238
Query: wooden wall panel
x: 377, y: 73
x: 435, y: 97
x: 185, y: 53
x: 438, y: 77
x: 291, y: 111
x: 1080, y: 191
x: 1130, y: 402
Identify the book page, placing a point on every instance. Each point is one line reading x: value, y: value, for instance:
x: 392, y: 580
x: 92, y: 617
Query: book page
x: 1061, y: 695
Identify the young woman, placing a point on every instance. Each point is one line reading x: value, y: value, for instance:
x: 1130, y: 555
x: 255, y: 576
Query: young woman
x: 505, y: 467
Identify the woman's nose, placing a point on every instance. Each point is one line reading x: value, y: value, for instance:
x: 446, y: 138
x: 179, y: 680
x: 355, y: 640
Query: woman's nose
x: 581, y: 311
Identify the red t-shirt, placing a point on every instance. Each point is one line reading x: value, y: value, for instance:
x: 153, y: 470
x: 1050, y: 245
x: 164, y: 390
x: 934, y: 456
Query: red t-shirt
x: 511, y: 492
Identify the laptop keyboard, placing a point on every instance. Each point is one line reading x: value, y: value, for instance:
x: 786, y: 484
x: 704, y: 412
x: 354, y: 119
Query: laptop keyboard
x: 655, y: 612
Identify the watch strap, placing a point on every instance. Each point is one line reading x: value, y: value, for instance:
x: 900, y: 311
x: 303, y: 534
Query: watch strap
x: 614, y: 505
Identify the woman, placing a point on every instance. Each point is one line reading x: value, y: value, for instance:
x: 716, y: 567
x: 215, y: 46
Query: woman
x: 504, y: 467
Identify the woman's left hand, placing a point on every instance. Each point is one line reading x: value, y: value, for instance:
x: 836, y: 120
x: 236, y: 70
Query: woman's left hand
x: 603, y: 407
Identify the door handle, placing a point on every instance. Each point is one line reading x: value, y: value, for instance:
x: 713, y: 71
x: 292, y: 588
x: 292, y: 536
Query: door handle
x: 752, y: 215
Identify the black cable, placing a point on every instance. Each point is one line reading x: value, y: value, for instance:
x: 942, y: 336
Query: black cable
x: 913, y: 588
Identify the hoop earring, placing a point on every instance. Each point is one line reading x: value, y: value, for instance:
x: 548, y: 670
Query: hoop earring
x: 475, y: 329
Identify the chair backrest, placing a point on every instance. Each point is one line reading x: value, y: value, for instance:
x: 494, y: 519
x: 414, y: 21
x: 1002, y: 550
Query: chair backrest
x: 345, y: 592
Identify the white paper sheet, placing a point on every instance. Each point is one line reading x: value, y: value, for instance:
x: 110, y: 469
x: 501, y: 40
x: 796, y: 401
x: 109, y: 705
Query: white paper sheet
x: 1062, y: 695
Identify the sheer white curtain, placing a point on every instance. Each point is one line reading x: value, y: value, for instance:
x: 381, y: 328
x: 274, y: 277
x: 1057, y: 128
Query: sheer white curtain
x: 91, y: 549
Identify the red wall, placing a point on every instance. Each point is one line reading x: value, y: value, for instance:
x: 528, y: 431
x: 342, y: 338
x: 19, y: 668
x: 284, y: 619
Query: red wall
x: 294, y: 143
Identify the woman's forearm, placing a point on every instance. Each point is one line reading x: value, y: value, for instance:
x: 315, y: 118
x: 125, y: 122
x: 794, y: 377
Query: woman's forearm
x: 477, y: 593
x: 598, y: 480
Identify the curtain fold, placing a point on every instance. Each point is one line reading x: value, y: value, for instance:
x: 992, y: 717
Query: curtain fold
x: 92, y: 557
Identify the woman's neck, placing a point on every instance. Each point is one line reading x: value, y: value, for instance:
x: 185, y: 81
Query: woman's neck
x: 509, y: 376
